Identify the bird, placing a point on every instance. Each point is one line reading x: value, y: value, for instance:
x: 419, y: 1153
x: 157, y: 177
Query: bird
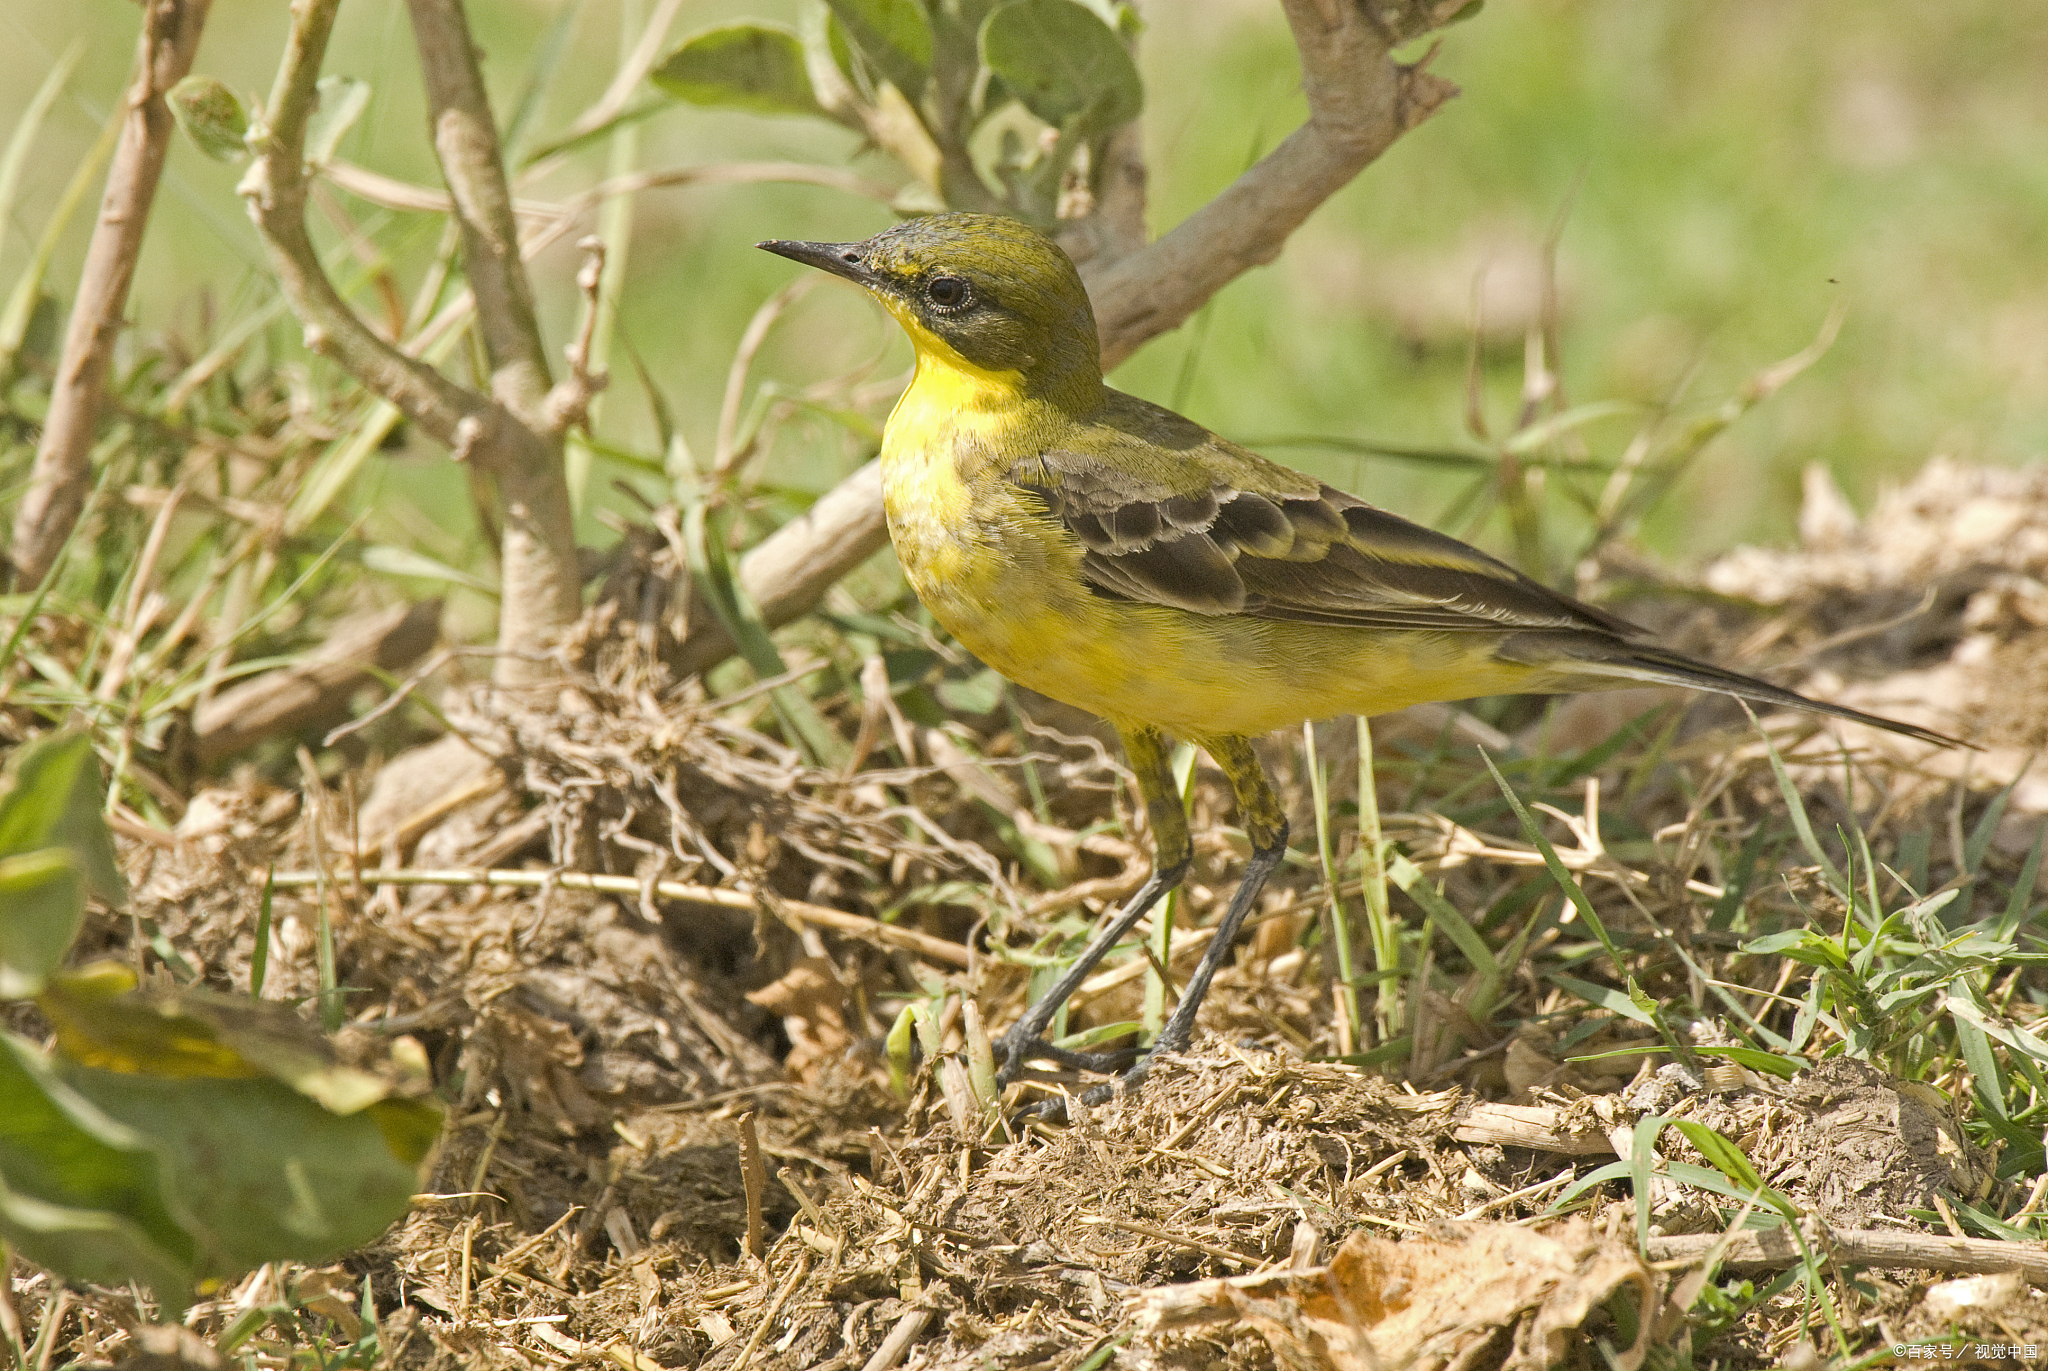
x: 1112, y: 554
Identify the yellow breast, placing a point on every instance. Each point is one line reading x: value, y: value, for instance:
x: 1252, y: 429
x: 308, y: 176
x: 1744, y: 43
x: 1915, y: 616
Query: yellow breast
x: 1007, y: 582
x: 944, y: 434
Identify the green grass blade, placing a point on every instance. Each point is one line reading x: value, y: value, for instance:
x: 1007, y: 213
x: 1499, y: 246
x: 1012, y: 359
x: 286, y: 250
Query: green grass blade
x: 1340, y: 918
x: 1467, y: 939
x: 21, y: 305
x: 1154, y: 1014
x: 1742, y: 875
x: 1977, y: 1055
x: 1381, y: 924
x: 1801, y: 824
x: 15, y: 156
x: 1987, y: 825
x: 711, y: 566
x: 1571, y: 888
x: 1616, y: 1002
x: 2023, y: 889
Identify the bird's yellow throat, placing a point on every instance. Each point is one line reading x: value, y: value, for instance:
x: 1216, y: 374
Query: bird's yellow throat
x: 949, y: 392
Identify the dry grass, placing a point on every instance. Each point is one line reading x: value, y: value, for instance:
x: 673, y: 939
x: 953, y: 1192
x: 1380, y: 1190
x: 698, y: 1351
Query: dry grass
x: 605, y: 1056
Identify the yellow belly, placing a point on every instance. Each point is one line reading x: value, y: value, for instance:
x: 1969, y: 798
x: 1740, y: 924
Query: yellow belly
x: 1006, y: 582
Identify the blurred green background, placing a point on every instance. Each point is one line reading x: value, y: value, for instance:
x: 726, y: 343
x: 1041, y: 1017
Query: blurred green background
x: 1740, y: 168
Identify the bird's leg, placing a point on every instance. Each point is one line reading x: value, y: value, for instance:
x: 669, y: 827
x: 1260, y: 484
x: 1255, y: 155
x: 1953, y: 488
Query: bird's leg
x: 1265, y: 823
x: 1171, y: 852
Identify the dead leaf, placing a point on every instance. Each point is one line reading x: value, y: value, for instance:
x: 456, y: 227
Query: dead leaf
x: 1463, y: 1296
x: 812, y: 1004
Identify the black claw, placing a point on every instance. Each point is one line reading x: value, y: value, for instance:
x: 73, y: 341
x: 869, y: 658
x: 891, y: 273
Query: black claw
x: 1014, y: 1055
x: 1054, y: 1109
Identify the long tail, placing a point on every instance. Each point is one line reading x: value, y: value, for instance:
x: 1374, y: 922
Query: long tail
x: 1657, y: 666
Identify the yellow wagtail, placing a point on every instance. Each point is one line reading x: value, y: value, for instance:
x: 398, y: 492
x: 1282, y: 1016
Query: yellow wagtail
x: 1112, y: 554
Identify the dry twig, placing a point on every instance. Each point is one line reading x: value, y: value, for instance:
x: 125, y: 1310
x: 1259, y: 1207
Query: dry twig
x: 837, y: 920
x: 1773, y: 1249
x: 510, y: 433
x: 62, y: 471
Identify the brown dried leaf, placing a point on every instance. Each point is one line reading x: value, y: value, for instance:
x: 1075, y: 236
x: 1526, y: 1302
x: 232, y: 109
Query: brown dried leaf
x: 1466, y: 1295
x: 812, y: 1004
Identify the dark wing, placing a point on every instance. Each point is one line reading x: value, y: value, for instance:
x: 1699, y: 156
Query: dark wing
x: 1215, y: 529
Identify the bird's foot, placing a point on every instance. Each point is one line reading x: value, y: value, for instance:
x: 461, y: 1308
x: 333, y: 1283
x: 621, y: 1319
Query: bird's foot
x: 1054, y: 1109
x: 1014, y: 1049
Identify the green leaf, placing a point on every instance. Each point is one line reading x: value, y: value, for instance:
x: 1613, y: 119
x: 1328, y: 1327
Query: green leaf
x: 272, y: 1174
x: 342, y: 101
x: 893, y: 35
x: 1722, y: 1154
x: 1064, y: 64
x: 50, y: 796
x: 267, y: 1148
x: 79, y: 1192
x: 1756, y: 1059
x: 1615, y: 1002
x: 187, y: 1033
x: 1800, y: 945
x: 758, y: 67
x: 212, y: 116
x: 96, y: 1246
x: 42, y: 903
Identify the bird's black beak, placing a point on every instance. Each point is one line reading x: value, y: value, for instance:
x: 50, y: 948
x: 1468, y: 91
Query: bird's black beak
x: 841, y: 259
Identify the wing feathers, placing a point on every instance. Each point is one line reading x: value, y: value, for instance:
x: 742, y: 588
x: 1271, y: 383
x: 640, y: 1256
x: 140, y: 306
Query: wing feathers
x: 1318, y: 556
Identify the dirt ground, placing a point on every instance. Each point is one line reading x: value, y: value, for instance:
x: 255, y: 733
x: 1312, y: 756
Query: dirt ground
x: 677, y: 1135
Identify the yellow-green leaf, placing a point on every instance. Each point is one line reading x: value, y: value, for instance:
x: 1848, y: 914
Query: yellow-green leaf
x: 1064, y: 63
x: 42, y: 903
x: 752, y: 66
x: 211, y: 116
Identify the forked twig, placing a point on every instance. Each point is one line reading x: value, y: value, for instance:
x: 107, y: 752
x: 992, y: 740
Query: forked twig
x: 62, y: 471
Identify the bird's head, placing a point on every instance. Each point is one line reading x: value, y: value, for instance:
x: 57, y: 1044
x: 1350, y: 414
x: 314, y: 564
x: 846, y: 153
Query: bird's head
x: 979, y: 289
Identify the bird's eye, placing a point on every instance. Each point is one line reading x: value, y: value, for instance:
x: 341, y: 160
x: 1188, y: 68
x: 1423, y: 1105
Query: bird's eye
x: 948, y: 292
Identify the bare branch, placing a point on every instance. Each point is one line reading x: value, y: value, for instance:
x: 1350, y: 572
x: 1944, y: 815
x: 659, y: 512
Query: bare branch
x: 1360, y: 101
x: 275, y: 187
x: 727, y: 451
x: 509, y: 434
x: 62, y: 471
x: 568, y: 404
x: 1774, y: 1250
x: 466, y: 140
x: 318, y: 689
x: 393, y: 193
